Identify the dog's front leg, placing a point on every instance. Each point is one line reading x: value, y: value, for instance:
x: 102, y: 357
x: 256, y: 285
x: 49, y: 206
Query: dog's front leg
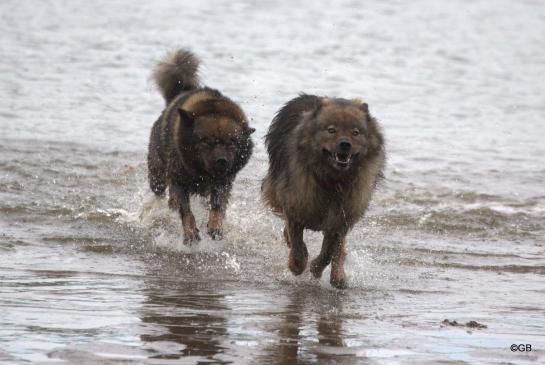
x: 338, y: 278
x: 298, y: 256
x: 179, y: 198
x: 317, y: 266
x: 218, y: 204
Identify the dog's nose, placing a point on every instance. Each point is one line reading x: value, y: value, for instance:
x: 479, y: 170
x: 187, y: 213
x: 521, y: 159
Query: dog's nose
x: 344, y: 145
x: 221, y: 163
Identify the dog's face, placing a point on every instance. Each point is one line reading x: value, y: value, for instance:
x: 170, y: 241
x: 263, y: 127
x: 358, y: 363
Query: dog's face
x: 341, y: 134
x: 217, y: 141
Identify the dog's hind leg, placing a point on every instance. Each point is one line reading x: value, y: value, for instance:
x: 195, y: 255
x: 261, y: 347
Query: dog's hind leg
x: 298, y: 256
x: 218, y: 204
x: 156, y: 167
x: 321, y: 261
x: 179, y: 199
x: 156, y: 174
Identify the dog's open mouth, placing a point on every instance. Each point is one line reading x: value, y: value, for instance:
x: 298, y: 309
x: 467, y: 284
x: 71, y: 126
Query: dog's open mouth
x: 340, y: 159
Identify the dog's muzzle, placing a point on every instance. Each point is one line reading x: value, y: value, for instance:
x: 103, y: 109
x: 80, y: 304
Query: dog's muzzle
x: 339, y: 160
x: 221, y: 165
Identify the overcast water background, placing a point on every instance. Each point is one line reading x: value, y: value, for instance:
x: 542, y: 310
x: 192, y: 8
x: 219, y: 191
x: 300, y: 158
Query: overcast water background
x: 93, y: 270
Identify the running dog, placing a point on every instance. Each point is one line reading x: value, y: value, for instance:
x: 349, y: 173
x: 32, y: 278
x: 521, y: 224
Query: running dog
x: 198, y: 144
x: 326, y: 156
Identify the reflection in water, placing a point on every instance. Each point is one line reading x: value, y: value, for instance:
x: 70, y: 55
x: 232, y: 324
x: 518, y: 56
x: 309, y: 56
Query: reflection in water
x: 188, y: 316
x: 310, y: 317
x: 192, y: 322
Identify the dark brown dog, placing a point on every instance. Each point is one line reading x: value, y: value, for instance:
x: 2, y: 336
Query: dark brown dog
x: 200, y: 142
x: 326, y: 156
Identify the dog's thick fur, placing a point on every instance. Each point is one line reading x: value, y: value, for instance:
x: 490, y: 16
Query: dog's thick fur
x: 198, y: 144
x: 326, y: 156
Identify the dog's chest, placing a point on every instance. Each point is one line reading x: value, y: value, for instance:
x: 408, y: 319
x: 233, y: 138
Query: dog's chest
x: 193, y: 182
x: 333, y: 210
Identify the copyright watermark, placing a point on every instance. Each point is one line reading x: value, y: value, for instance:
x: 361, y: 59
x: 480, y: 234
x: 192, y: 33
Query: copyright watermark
x: 521, y: 347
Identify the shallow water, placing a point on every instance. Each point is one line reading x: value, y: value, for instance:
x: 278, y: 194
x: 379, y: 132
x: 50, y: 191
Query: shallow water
x: 92, y: 267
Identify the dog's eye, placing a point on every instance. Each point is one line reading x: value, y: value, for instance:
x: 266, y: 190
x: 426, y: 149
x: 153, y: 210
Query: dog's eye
x: 356, y: 132
x: 331, y: 130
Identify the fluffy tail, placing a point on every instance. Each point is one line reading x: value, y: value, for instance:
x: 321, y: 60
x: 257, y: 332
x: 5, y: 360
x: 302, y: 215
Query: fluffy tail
x: 176, y: 73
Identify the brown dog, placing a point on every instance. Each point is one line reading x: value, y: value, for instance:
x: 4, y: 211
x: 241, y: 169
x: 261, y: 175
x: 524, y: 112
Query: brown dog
x: 198, y: 144
x: 326, y: 156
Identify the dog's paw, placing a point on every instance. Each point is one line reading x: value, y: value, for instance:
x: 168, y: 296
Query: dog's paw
x: 316, y: 268
x: 297, y: 266
x: 338, y: 281
x: 297, y: 262
x: 215, y: 233
x: 214, y: 226
x: 191, y: 237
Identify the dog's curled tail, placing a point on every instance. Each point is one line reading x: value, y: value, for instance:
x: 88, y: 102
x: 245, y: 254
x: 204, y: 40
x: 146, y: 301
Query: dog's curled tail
x: 176, y: 73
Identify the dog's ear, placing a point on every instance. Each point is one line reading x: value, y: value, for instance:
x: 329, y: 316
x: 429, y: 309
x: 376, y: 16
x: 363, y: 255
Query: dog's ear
x: 362, y: 105
x: 317, y: 107
x: 186, y: 119
x: 322, y: 102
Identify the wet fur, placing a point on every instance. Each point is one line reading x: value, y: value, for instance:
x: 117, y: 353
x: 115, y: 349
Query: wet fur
x: 176, y: 156
x: 306, y: 192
